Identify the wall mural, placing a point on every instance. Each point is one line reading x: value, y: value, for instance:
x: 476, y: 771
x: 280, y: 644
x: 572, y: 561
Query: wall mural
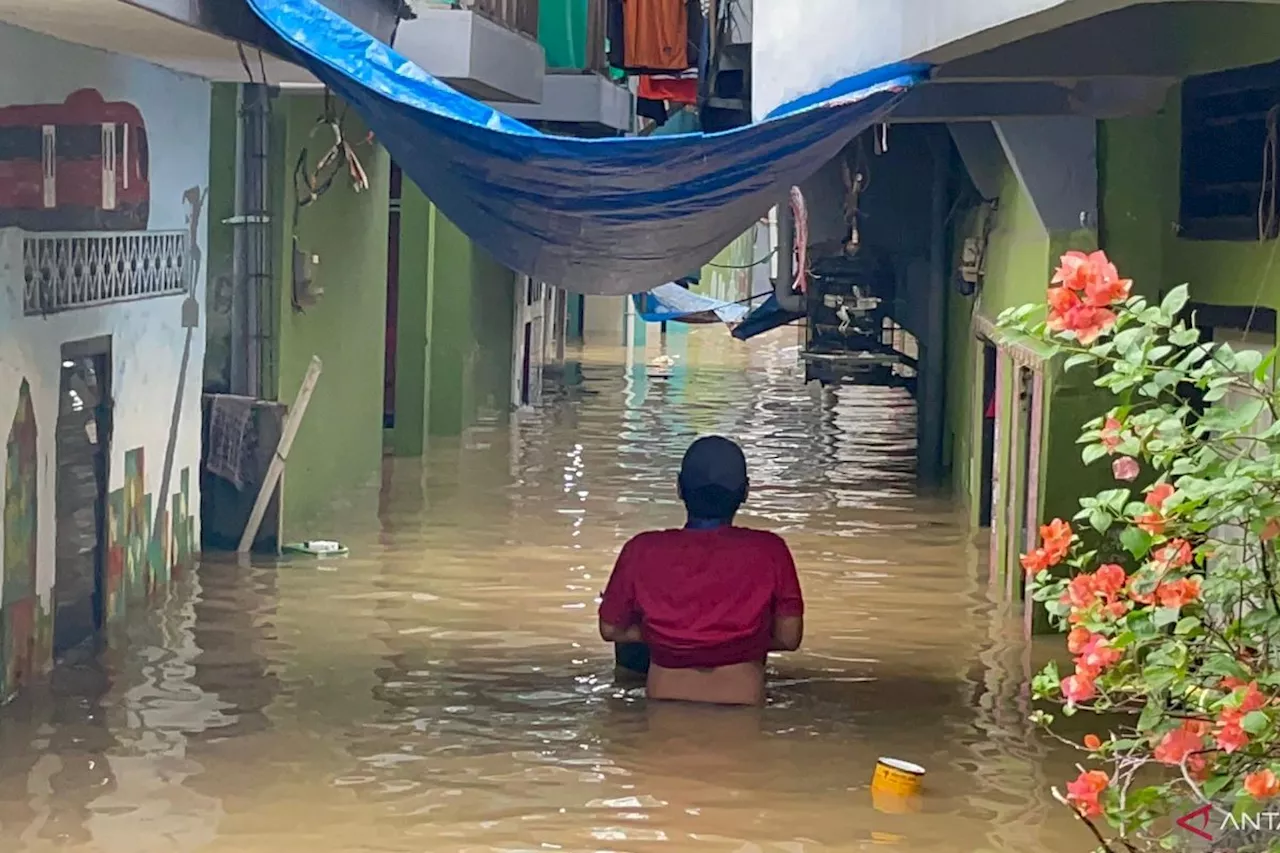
x: 138, y: 564
x: 25, y: 628
x: 81, y: 165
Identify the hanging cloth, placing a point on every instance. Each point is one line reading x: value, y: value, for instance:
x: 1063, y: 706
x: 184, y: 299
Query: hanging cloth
x: 656, y: 34
x: 679, y: 90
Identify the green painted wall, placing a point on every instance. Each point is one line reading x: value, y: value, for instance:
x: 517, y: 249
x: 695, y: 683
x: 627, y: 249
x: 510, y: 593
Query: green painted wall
x: 562, y: 32
x: 1017, y: 273
x: 336, y: 458
x: 471, y: 322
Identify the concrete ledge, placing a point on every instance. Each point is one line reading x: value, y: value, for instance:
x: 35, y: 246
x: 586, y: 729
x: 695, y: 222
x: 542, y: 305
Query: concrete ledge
x: 475, y: 55
x: 579, y: 98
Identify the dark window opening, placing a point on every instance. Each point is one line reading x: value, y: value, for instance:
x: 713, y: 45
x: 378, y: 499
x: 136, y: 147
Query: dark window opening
x: 140, y: 134
x: 21, y: 143
x: 1226, y: 118
x: 79, y: 141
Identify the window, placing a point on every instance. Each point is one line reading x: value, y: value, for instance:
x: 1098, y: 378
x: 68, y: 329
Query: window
x: 79, y: 141
x: 20, y: 143
x: 1225, y: 121
x: 143, y: 152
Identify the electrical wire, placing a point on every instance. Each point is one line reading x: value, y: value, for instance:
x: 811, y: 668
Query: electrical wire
x: 1268, y: 207
x: 763, y: 260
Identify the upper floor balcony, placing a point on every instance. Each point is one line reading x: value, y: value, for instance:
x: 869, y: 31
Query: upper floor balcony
x: 485, y: 48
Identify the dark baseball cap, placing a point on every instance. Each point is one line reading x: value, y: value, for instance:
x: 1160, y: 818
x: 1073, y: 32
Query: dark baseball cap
x: 714, y: 461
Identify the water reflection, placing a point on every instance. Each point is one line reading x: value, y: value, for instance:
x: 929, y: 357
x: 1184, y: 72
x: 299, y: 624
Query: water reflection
x: 443, y: 688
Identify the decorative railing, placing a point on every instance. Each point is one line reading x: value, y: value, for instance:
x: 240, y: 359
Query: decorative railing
x: 64, y: 270
x: 518, y: 15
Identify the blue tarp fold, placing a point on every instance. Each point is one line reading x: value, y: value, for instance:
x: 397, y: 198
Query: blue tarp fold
x: 671, y: 303
x: 608, y: 216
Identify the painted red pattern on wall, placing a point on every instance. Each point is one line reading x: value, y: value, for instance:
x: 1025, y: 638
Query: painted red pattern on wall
x: 82, y: 165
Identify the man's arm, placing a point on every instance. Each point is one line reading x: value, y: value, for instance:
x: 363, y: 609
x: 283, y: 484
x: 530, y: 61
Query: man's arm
x: 788, y: 604
x: 619, y: 619
x: 611, y: 633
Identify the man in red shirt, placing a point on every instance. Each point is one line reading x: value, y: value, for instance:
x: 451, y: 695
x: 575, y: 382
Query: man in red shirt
x: 711, y: 600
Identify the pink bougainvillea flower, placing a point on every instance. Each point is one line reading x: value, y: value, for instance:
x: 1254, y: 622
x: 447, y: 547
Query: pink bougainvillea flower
x: 1110, y: 579
x: 1057, y: 536
x: 1110, y: 436
x: 1078, y: 640
x: 1085, y: 791
x: 1126, y: 469
x: 1079, y: 687
x: 1262, y: 785
x: 1035, y: 562
x: 1176, y: 745
x: 1074, y: 271
x: 1178, y: 594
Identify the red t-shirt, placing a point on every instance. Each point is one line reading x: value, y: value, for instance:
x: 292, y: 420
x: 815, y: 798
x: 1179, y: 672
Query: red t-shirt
x: 703, y: 598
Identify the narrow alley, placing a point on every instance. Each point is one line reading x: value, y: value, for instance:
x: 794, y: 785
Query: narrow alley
x: 443, y: 687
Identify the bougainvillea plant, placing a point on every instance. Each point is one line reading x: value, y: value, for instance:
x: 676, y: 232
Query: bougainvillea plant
x: 1166, y: 584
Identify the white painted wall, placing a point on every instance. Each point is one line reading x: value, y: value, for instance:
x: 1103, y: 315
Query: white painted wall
x: 801, y: 47
x: 147, y: 336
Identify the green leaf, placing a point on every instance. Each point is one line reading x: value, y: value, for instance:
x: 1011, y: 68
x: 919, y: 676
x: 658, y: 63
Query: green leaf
x: 1184, y: 337
x: 1247, y: 361
x: 1077, y: 360
x: 1186, y: 625
x: 1158, y: 677
x: 1136, y: 542
x: 1175, y: 301
x: 1100, y: 520
x: 1216, y: 784
x: 1152, y: 714
x: 1255, y: 722
x: 1093, y: 453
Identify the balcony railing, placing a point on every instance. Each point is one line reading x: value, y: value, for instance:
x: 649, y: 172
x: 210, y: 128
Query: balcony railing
x: 518, y: 15
x: 63, y: 271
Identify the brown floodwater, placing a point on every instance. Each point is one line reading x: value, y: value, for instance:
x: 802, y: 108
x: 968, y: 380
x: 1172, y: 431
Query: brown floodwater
x: 443, y: 687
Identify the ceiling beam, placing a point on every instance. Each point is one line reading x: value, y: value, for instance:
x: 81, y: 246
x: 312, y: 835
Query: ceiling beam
x: 964, y: 102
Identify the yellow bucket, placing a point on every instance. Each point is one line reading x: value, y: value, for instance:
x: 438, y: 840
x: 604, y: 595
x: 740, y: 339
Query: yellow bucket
x: 897, y: 778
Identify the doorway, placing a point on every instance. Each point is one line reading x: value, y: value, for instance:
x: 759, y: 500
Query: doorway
x: 393, y: 298
x: 986, y: 494
x: 82, y: 456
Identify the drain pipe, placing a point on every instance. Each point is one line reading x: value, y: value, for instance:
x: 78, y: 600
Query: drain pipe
x: 784, y: 284
x: 251, y: 261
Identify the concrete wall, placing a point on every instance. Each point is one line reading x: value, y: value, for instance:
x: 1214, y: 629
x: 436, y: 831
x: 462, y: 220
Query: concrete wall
x: 336, y: 459
x: 801, y: 47
x: 453, y: 329
x: 147, y: 341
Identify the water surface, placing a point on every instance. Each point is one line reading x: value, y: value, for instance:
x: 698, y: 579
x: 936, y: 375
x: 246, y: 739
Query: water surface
x: 443, y: 688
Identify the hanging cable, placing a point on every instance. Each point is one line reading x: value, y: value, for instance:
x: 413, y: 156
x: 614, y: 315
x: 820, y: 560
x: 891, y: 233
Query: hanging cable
x: 1268, y: 206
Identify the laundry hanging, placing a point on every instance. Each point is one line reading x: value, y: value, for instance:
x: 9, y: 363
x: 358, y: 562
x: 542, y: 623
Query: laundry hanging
x: 648, y: 36
x: 608, y: 216
x: 676, y: 89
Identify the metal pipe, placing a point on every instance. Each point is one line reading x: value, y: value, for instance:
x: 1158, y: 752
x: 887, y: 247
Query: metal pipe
x: 787, y: 298
x: 240, y: 341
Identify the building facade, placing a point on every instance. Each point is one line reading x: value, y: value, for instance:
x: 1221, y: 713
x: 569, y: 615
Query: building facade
x: 1139, y: 128
x: 102, y: 230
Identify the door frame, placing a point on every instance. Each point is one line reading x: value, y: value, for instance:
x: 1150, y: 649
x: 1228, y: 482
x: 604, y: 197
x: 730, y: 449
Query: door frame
x: 100, y: 345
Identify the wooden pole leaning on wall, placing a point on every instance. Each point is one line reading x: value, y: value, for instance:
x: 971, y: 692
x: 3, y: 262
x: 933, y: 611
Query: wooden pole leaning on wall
x: 292, y: 420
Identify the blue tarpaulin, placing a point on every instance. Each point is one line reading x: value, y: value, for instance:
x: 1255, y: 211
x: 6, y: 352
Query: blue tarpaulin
x: 608, y: 216
x: 671, y: 303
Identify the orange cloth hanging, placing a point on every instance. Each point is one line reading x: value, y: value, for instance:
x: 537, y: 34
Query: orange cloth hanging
x: 675, y: 89
x: 656, y: 34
